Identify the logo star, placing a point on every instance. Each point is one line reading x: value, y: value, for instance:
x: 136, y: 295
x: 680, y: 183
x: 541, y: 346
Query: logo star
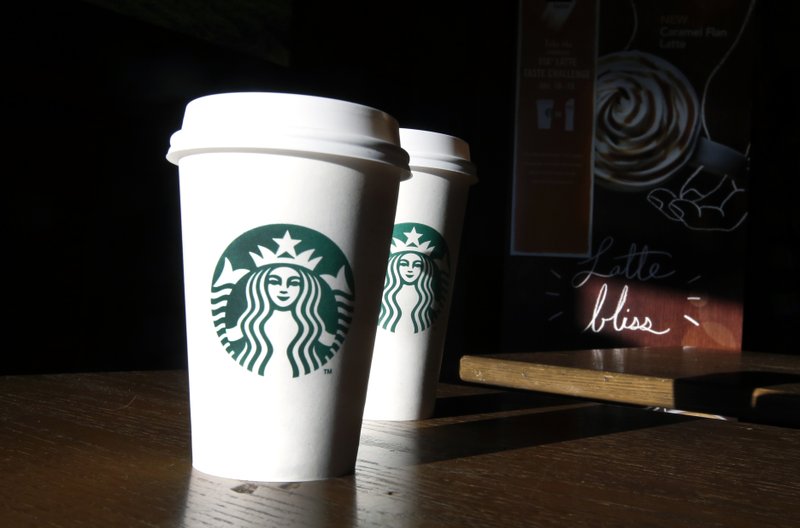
x: 412, y: 237
x: 286, y: 245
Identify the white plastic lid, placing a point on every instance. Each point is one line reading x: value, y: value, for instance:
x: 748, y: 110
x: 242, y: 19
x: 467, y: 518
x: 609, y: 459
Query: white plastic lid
x: 265, y: 121
x: 433, y: 150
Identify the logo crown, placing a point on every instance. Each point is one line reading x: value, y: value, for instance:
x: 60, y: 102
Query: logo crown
x: 412, y: 243
x: 285, y: 254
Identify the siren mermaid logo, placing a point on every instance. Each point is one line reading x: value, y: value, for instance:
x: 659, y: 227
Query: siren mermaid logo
x: 282, y: 299
x: 416, y: 283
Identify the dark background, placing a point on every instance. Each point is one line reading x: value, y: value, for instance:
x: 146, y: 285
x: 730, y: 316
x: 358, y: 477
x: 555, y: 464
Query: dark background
x: 92, y: 95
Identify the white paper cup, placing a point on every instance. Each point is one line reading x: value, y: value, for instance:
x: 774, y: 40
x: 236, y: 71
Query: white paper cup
x: 416, y: 298
x: 287, y: 202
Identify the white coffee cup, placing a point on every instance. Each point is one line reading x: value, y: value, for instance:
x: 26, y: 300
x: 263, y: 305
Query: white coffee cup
x: 287, y: 204
x: 416, y: 298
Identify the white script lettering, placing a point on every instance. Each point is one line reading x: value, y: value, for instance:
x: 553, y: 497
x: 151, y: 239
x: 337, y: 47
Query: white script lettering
x: 641, y: 264
x: 617, y: 320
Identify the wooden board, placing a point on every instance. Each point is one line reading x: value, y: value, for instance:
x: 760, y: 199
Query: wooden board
x: 689, y: 379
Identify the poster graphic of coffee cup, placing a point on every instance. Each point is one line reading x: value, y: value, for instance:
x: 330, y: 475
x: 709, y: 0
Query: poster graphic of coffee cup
x: 630, y: 174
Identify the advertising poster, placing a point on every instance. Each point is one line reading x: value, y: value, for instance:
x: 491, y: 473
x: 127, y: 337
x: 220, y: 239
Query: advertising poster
x: 630, y: 174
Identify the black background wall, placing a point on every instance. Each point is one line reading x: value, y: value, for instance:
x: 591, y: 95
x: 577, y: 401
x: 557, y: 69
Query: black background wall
x: 93, y: 256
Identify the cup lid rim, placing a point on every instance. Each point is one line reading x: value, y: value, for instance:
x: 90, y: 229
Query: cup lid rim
x: 287, y: 122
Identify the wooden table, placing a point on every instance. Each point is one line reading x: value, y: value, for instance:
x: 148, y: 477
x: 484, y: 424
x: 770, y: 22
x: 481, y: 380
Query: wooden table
x: 751, y: 386
x: 113, y: 450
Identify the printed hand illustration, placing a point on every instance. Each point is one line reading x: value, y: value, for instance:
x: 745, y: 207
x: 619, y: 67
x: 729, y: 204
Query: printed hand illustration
x: 705, y: 202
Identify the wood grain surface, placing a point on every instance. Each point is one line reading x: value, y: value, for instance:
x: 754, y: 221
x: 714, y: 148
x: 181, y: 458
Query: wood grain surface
x: 113, y: 450
x: 690, y: 379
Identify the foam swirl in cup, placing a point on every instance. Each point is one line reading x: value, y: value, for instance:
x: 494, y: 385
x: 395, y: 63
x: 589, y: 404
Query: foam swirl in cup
x: 646, y: 120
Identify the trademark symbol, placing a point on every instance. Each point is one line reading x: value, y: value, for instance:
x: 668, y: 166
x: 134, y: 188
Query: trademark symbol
x: 328, y: 371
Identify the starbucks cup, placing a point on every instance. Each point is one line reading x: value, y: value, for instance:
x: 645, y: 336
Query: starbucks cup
x: 416, y: 293
x: 287, y: 202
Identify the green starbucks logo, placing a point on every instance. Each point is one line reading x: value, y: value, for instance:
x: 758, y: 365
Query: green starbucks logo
x: 416, y: 283
x: 282, y: 297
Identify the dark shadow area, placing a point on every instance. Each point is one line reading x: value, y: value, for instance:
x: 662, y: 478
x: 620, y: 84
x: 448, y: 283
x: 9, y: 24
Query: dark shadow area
x: 736, y: 394
x: 779, y: 408
x: 450, y: 441
x: 507, y: 400
x: 93, y: 215
x: 772, y: 290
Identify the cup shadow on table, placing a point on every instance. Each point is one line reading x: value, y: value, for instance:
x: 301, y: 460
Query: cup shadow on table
x: 551, y: 419
x: 505, y: 400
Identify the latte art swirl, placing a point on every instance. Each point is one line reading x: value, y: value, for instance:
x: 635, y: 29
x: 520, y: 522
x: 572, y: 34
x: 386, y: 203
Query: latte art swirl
x: 647, y: 120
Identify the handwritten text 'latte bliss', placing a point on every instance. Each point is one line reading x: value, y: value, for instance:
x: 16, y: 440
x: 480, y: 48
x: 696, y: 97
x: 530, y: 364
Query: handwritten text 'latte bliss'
x: 641, y: 264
